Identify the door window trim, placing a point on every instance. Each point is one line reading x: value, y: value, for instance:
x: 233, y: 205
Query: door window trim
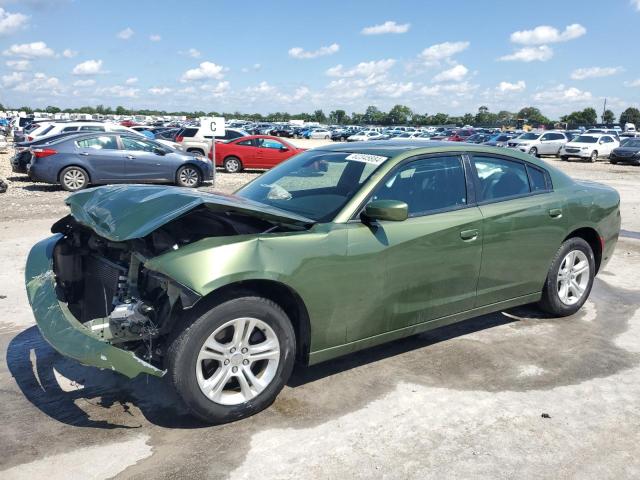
x: 524, y: 163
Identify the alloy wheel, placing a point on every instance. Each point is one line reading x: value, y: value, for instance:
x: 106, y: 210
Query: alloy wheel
x: 232, y: 165
x: 189, y: 177
x: 573, y: 277
x: 238, y: 361
x: 74, y: 179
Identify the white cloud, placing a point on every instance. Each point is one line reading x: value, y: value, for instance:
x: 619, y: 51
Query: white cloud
x: 206, y: 70
x: 90, y: 67
x: 442, y: 51
x: 11, y: 22
x: 20, y: 65
x: 633, y: 83
x: 529, y: 54
x: 255, y: 67
x: 300, y: 53
x: 394, y: 90
x: 155, y: 38
x: 363, y: 69
x: 594, y: 72
x: 216, y: 90
x: 40, y: 82
x: 505, y: 87
x: 118, y: 91
x: 386, y: 27
x: 125, y: 34
x: 546, y: 34
x: 192, y: 52
x: 460, y: 89
x: 159, y: 90
x: 29, y: 50
x: 454, y: 74
x: 131, y: 80
x: 68, y: 53
x: 13, y: 79
x: 636, y: 4
x: 560, y: 94
x: 84, y: 83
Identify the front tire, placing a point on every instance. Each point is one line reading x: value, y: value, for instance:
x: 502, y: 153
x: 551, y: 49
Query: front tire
x: 232, y: 165
x: 570, y: 278
x: 593, y: 158
x: 533, y: 151
x: 564, y: 158
x: 188, y: 176
x: 232, y: 361
x: 74, y: 178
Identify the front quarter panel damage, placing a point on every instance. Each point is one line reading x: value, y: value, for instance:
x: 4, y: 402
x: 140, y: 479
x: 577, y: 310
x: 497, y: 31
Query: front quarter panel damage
x: 64, y: 332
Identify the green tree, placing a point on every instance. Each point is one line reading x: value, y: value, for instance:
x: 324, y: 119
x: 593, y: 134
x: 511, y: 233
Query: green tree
x: 120, y: 110
x: 319, y: 116
x: 533, y: 116
x: 467, y: 119
x: 373, y: 115
x: 630, y: 115
x: 50, y: 109
x: 338, y: 116
x: 584, y: 118
x: 608, y: 117
x: 439, y: 119
x: 399, y: 115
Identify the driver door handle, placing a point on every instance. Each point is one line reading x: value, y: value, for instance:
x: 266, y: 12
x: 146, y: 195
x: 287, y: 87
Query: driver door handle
x: 555, y: 213
x: 469, y: 235
x: 130, y: 157
x: 84, y: 154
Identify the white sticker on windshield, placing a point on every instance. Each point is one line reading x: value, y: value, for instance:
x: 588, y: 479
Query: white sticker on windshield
x: 366, y: 158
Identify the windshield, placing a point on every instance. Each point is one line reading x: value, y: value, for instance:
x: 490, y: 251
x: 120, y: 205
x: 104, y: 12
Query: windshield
x: 632, y: 143
x: 314, y: 184
x: 585, y: 139
x: 529, y: 136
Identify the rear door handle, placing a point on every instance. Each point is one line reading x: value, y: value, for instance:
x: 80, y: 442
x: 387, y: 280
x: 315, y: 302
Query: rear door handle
x: 469, y: 235
x: 84, y: 154
x: 555, y: 213
x: 130, y: 157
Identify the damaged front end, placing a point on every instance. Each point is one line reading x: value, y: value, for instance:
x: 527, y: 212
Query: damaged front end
x: 93, y: 297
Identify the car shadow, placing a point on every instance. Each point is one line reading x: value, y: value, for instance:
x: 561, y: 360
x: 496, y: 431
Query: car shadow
x: 77, y: 395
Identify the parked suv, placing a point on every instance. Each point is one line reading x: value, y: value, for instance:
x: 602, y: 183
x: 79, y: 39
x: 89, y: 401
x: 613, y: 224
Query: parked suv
x: 194, y: 141
x: 547, y: 143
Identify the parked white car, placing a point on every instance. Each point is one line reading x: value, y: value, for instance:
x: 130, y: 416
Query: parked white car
x: 543, y: 143
x: 365, y: 136
x: 320, y: 133
x: 589, y: 146
x: 53, y: 128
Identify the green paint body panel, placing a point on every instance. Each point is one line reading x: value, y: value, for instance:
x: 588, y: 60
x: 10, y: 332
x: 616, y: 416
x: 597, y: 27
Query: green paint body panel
x: 59, y: 327
x: 366, y: 284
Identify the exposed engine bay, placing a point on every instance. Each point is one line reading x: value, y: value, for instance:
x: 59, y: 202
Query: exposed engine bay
x: 108, y: 289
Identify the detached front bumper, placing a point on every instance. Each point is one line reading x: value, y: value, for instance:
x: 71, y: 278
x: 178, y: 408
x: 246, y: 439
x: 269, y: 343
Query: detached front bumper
x: 62, y: 330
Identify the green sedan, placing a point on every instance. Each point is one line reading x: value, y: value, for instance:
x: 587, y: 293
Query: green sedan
x: 337, y: 249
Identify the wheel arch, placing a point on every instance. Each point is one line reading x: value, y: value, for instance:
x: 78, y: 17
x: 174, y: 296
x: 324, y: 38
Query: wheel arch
x: 593, y: 238
x: 281, y: 294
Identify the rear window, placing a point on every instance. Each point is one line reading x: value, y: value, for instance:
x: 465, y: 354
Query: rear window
x: 537, y: 179
x: 46, y: 130
x: 99, y: 143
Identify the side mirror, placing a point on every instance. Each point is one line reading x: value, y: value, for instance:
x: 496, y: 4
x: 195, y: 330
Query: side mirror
x: 393, y: 210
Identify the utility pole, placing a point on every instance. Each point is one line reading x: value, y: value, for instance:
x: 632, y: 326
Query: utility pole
x: 604, y: 109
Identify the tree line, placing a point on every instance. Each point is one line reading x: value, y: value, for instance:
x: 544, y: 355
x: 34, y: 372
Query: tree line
x: 398, y: 115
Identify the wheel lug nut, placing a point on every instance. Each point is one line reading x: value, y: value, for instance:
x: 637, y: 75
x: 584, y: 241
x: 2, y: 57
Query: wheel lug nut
x: 226, y: 362
x: 245, y: 362
x: 234, y: 369
x: 245, y: 350
x: 233, y: 350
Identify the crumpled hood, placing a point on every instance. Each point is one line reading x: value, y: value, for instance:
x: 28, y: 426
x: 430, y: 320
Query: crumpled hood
x: 125, y: 212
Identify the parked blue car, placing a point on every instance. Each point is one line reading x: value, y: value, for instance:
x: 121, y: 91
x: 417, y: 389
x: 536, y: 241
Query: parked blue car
x: 78, y: 161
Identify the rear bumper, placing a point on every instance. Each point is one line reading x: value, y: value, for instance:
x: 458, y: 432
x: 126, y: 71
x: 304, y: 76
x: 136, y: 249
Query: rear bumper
x: 62, y: 330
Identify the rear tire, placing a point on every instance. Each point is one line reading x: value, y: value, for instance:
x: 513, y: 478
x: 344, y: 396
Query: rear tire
x: 216, y: 372
x: 232, y: 165
x: 570, y: 278
x: 74, y: 178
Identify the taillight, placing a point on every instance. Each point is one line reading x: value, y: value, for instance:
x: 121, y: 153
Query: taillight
x: 43, y: 152
x: 29, y: 138
x: 179, y: 138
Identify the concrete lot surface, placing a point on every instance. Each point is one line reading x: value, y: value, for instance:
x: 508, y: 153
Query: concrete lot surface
x: 466, y: 401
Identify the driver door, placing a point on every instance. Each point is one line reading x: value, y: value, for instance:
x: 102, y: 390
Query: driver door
x: 143, y: 161
x: 429, y: 264
x: 271, y: 152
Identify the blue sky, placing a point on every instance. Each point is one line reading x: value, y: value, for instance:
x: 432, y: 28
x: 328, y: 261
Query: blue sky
x: 297, y: 56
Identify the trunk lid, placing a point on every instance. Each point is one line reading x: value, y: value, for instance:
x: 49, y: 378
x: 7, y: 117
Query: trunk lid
x: 125, y: 212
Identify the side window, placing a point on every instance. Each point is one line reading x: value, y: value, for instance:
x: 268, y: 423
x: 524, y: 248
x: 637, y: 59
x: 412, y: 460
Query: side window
x: 246, y: 143
x: 499, y: 178
x: 546, y: 136
x: 537, y: 179
x: 129, y: 143
x: 268, y: 143
x: 70, y: 129
x: 99, y: 143
x: 427, y: 185
x: 189, y: 132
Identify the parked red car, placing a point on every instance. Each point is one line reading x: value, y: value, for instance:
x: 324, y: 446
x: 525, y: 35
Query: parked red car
x: 253, y: 151
x: 460, y: 135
